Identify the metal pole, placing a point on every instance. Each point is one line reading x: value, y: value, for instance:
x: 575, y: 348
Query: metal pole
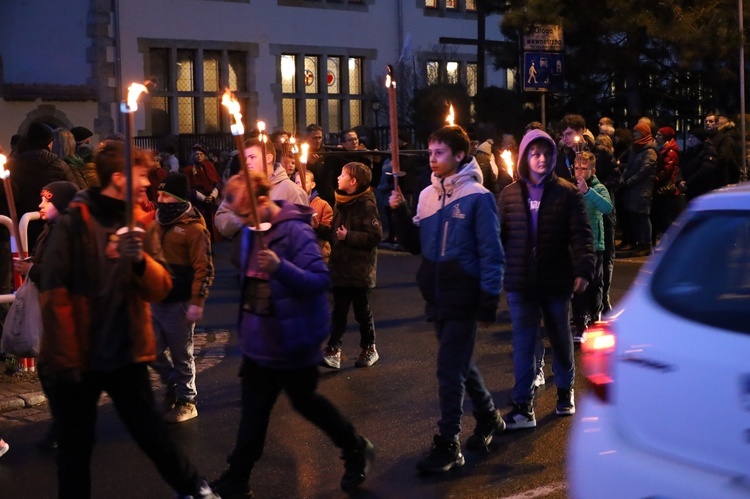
x: 544, y: 110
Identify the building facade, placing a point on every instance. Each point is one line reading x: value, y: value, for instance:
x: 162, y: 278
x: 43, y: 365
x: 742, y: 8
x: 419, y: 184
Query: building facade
x: 289, y: 62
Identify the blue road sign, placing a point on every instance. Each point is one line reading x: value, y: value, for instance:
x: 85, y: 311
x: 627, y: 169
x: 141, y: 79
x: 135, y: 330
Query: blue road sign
x: 543, y: 72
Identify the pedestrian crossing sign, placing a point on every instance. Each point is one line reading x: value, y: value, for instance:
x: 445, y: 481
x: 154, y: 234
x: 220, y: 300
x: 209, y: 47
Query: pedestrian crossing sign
x: 543, y: 72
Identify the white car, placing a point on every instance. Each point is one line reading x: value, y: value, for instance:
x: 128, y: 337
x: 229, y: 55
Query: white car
x: 668, y: 414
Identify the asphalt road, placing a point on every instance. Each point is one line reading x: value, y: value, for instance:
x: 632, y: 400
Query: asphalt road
x: 394, y: 403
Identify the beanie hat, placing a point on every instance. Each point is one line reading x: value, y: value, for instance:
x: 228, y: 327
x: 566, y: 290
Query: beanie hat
x: 667, y: 132
x: 38, y: 136
x: 643, y: 129
x: 81, y: 133
x: 486, y: 147
x: 176, y: 185
x: 699, y: 133
x: 85, y: 152
x: 60, y: 194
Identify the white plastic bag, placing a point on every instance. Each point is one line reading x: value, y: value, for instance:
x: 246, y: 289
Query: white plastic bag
x: 22, y: 330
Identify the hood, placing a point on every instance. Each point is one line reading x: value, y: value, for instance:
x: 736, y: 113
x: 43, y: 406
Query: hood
x: 291, y: 211
x: 278, y: 175
x: 522, y: 165
x: 467, y: 172
x: 671, y: 144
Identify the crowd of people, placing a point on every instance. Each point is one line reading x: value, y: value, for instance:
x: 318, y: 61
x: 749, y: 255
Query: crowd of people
x: 539, y: 221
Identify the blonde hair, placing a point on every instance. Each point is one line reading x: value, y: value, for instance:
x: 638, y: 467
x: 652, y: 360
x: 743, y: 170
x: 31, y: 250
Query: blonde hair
x: 236, y: 188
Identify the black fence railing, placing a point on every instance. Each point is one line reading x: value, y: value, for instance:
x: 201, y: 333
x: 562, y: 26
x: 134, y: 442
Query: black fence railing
x: 372, y: 137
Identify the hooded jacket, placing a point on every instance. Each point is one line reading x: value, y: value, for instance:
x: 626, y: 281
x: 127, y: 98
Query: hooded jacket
x: 563, y: 248
x: 462, y: 267
x: 186, y: 245
x: 292, y: 336
x: 94, y: 304
x: 353, y: 261
x: 639, y: 178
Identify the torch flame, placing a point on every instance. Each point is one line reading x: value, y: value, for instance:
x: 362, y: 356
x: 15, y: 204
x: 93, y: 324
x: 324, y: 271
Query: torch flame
x: 389, y: 82
x: 293, y: 142
x: 233, y: 106
x: 303, y: 156
x: 3, y: 172
x: 134, y: 91
x: 507, y: 157
x: 451, y: 116
x: 262, y: 128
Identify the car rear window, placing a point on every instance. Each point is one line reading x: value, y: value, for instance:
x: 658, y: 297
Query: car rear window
x: 704, y: 274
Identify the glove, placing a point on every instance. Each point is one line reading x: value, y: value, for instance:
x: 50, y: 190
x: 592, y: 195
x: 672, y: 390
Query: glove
x: 131, y: 244
x: 194, y: 313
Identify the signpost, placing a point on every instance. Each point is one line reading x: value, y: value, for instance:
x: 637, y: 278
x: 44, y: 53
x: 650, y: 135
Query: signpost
x: 543, y: 61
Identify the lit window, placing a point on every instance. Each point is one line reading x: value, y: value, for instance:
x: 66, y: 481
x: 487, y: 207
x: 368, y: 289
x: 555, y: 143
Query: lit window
x: 433, y: 72
x: 452, y: 69
x: 186, y: 100
x: 333, y: 98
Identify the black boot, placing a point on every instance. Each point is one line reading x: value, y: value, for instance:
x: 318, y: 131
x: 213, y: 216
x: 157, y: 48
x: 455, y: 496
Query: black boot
x: 487, y: 427
x: 444, y: 455
x: 357, y: 464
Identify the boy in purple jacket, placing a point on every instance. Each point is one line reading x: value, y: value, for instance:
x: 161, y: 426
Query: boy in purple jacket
x: 284, y: 319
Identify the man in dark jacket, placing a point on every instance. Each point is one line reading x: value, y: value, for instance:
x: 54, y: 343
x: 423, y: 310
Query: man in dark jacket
x: 549, y: 255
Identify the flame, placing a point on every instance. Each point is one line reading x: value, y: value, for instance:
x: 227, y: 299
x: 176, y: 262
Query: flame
x: 293, y: 142
x: 134, y: 91
x: 389, y: 82
x: 303, y: 156
x: 233, y: 106
x: 3, y: 172
x: 507, y: 157
x: 451, y: 116
x: 262, y: 129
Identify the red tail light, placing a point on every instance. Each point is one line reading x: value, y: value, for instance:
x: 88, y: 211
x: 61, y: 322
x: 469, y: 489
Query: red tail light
x: 596, y: 357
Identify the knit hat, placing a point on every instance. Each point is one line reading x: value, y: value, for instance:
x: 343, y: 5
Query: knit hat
x: 81, y: 133
x: 85, y: 152
x: 699, y: 133
x: 486, y: 147
x: 60, y: 194
x: 38, y: 136
x: 667, y: 132
x: 176, y: 185
x: 198, y: 147
x: 643, y: 129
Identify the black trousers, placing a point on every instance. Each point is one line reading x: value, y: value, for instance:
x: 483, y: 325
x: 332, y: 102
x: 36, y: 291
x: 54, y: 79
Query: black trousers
x: 359, y: 298
x: 74, y: 408
x: 261, y: 387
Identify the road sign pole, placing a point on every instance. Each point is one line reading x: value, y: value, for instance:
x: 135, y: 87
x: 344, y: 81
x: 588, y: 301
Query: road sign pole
x: 544, y: 110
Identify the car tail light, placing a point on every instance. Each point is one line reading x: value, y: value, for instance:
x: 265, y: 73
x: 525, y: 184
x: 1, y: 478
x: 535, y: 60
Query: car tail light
x: 596, y: 357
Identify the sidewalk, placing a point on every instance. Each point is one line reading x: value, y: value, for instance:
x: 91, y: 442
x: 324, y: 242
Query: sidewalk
x: 22, y: 399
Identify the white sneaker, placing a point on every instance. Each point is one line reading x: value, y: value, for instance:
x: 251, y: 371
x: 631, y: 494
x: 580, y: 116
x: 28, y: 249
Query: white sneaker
x: 539, y: 380
x: 183, y: 410
x: 332, y: 358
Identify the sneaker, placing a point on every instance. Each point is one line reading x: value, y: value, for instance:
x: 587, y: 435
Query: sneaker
x: 443, y: 456
x: 231, y: 489
x: 204, y: 492
x: 332, y: 358
x: 539, y: 379
x: 521, y: 416
x: 357, y: 464
x: 579, y: 336
x: 4, y: 447
x: 565, y: 404
x: 368, y: 357
x: 485, y: 429
x: 183, y: 410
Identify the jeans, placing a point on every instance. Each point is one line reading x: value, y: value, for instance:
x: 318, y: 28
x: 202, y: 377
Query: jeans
x: 74, y: 409
x: 525, y: 313
x: 175, y: 333
x: 458, y: 375
x: 261, y: 387
x: 358, y: 298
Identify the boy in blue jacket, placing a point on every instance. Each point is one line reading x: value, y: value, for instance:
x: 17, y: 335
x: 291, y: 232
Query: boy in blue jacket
x: 283, y: 321
x: 460, y: 279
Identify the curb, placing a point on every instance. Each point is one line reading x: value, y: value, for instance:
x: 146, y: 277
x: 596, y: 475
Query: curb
x: 25, y: 402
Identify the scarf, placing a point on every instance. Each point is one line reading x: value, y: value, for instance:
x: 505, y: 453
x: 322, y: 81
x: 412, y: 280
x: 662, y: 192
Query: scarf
x: 167, y: 213
x: 343, y: 198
